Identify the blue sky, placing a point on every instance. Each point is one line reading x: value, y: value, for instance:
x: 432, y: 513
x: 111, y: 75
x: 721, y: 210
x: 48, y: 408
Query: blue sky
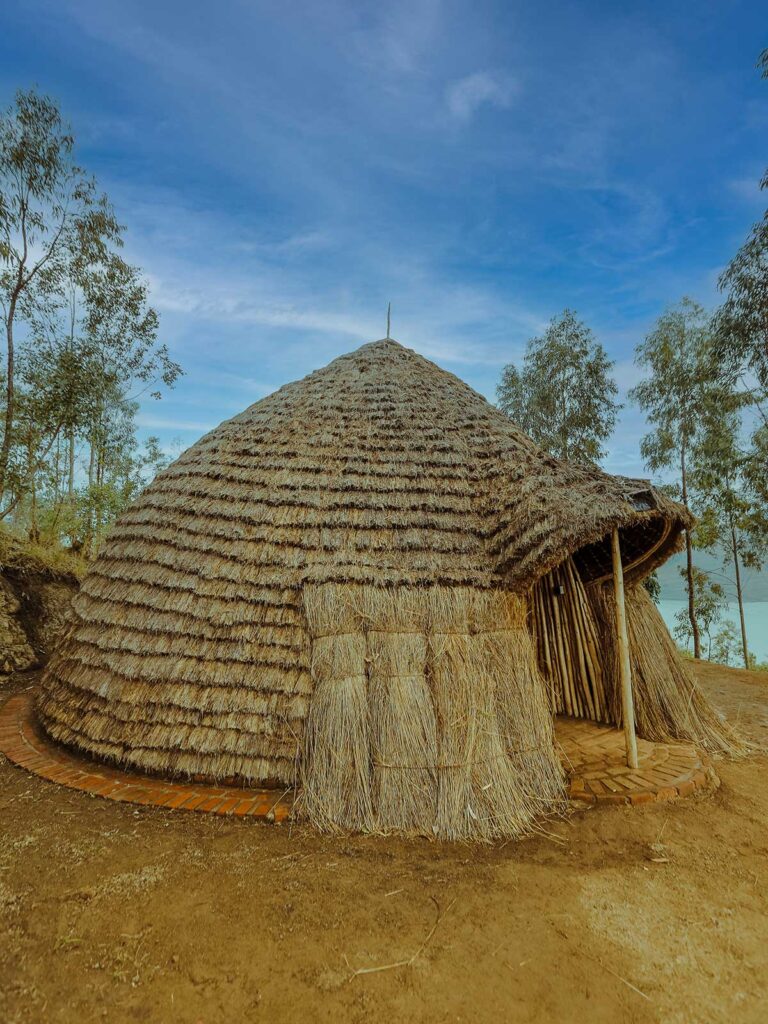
x: 286, y: 169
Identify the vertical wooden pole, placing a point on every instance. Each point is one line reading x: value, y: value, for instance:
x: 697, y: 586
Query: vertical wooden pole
x: 625, y: 668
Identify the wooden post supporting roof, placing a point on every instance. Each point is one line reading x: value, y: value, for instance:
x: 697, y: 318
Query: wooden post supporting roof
x: 625, y: 668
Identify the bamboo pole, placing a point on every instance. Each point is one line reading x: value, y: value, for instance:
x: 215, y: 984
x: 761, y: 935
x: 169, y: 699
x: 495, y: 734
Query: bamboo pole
x: 570, y: 698
x: 545, y: 655
x: 580, y: 650
x: 627, y: 704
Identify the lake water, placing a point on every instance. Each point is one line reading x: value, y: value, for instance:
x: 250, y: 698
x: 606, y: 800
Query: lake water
x: 755, y: 616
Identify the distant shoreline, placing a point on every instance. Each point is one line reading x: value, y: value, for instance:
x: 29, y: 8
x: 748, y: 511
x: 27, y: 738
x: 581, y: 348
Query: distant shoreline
x: 755, y: 614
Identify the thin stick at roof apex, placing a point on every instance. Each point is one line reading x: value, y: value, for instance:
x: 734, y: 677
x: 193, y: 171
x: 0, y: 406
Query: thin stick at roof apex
x: 389, y: 314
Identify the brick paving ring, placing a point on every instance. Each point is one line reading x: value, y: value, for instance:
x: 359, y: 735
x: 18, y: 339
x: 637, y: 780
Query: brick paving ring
x: 592, y: 754
x: 23, y: 743
x: 594, y: 757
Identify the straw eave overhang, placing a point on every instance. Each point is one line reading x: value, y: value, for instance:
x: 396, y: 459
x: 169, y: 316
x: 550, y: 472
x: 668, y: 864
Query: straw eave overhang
x: 576, y: 519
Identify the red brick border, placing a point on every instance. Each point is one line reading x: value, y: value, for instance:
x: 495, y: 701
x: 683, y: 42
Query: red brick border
x: 593, y: 756
x: 22, y: 743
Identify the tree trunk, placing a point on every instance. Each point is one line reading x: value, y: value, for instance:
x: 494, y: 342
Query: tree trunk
x: 5, y: 450
x: 57, y: 482
x: 88, y: 540
x: 689, y: 565
x: 34, y: 529
x: 99, y: 479
x: 739, y: 595
x: 33, y: 532
x: 71, y: 478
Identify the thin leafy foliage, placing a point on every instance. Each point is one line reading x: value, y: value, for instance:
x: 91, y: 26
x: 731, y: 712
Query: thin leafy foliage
x: 80, y: 338
x: 564, y: 394
x: 678, y: 357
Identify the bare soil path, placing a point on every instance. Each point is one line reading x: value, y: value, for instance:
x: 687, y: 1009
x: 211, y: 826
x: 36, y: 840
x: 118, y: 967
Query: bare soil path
x: 109, y: 912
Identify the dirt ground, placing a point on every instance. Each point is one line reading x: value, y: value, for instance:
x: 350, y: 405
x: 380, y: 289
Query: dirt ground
x: 114, y: 913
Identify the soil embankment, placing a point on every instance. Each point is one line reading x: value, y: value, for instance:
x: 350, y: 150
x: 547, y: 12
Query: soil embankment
x: 35, y: 599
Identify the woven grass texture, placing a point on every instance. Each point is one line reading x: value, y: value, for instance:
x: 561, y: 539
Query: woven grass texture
x: 429, y: 715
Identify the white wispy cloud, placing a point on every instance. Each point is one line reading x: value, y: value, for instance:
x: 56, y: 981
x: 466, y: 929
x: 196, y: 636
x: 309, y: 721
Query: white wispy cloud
x: 223, y: 301
x: 170, y: 423
x: 492, y: 88
x: 398, y: 37
x: 438, y: 318
x: 208, y: 276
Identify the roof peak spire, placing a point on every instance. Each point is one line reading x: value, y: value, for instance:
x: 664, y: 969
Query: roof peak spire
x: 389, y: 319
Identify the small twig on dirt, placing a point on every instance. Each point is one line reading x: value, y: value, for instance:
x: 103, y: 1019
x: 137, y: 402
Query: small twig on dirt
x: 553, y: 836
x: 627, y: 983
x: 394, y: 892
x: 610, y: 970
x: 409, y: 962
x: 605, y: 967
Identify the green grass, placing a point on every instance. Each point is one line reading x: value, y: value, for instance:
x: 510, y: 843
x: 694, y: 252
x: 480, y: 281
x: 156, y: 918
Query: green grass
x: 20, y: 554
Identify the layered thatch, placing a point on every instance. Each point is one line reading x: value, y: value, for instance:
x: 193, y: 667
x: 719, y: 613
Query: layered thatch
x: 198, y: 648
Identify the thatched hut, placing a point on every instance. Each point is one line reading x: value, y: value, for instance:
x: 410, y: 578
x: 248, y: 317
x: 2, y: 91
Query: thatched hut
x: 373, y: 587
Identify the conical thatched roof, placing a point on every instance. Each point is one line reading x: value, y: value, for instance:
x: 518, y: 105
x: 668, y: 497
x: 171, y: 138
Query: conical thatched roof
x: 192, y: 653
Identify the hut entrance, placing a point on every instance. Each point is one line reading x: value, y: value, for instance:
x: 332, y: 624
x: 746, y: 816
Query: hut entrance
x: 568, y: 645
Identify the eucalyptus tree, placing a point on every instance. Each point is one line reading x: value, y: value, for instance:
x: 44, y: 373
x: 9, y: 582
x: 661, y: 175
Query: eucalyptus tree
x: 81, y: 338
x: 121, y: 332
x: 731, y: 521
x: 742, y: 321
x: 678, y: 355
x: 711, y: 603
x: 50, y: 215
x: 726, y: 643
x: 564, y: 394
x: 118, y: 356
x: 741, y: 334
x: 733, y: 470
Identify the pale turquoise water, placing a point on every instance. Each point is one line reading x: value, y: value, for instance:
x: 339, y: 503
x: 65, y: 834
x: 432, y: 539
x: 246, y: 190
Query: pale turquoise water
x: 755, y: 615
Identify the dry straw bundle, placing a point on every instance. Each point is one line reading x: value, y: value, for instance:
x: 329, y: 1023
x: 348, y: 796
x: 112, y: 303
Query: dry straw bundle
x: 428, y: 716
x: 668, y: 703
